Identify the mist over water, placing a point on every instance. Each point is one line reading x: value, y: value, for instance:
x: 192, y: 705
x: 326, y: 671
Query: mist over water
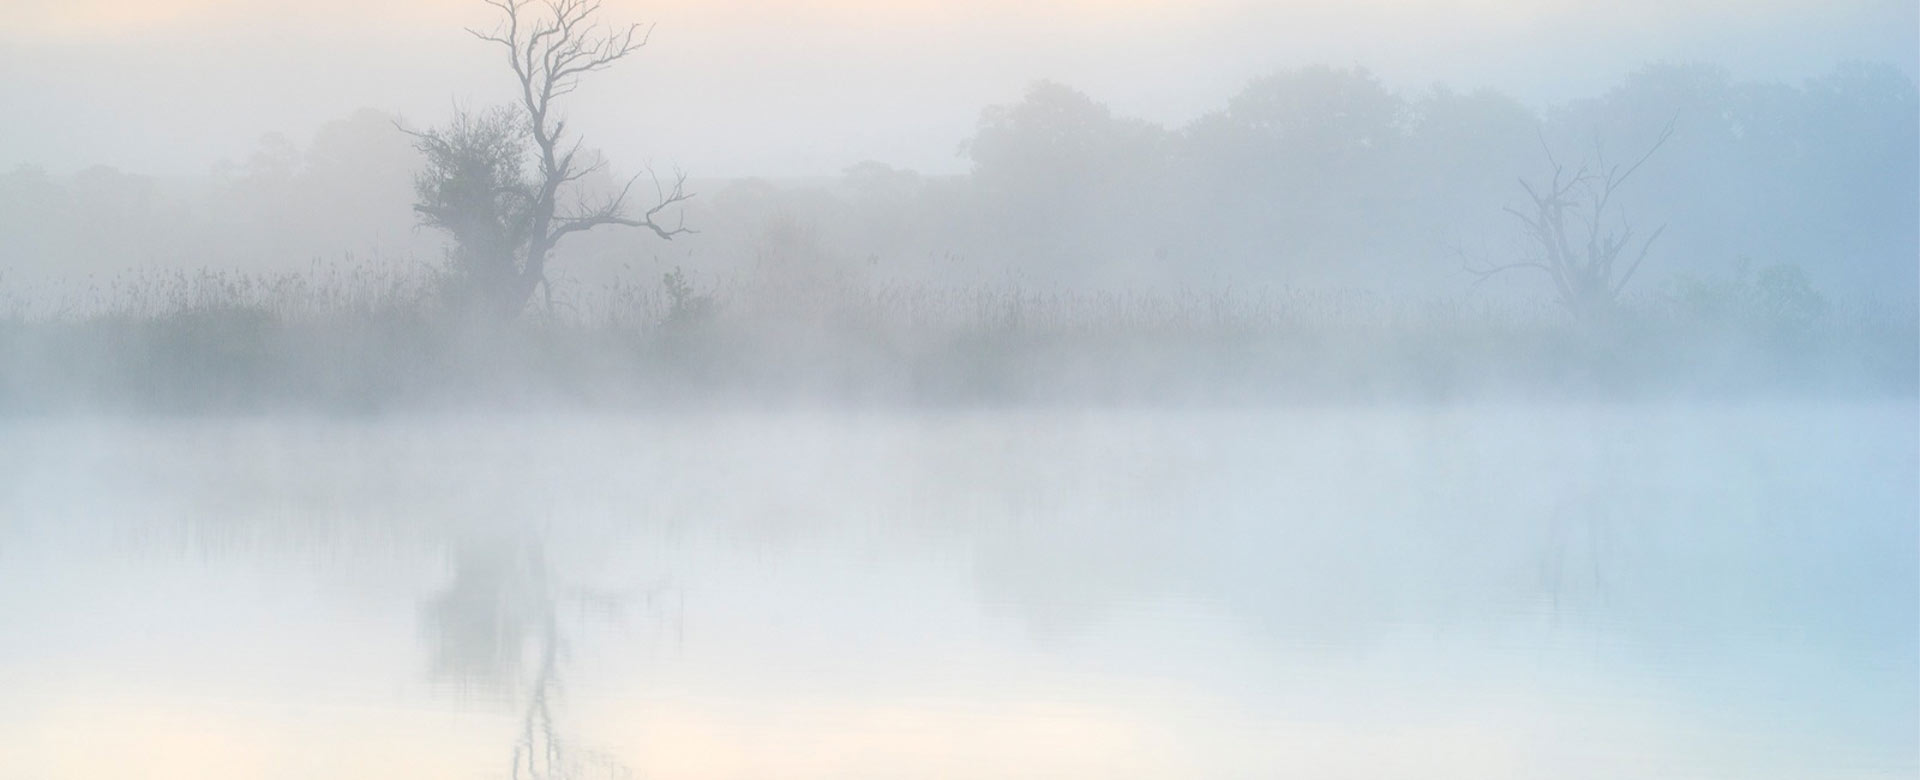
x: 1586, y: 591
x: 1050, y: 390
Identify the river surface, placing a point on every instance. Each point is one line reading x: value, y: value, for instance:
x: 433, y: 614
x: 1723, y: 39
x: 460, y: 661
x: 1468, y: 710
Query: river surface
x: 1553, y: 591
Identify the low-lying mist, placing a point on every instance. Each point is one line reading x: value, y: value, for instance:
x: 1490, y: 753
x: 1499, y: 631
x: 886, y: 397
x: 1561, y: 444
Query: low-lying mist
x: 1335, y: 428
x: 1321, y: 237
x: 358, y: 339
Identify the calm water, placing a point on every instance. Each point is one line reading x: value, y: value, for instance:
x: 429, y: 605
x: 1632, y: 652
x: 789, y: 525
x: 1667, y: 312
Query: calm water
x: 1479, y: 592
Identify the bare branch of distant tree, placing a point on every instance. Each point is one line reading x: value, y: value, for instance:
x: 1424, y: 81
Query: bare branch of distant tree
x: 1574, y: 235
x: 549, y: 46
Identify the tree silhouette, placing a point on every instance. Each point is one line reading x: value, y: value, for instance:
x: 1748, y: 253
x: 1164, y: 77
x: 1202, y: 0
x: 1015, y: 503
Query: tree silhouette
x: 1576, y: 236
x: 505, y: 220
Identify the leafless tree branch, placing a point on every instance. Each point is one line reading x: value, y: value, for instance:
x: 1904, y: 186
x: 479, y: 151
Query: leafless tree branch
x: 1583, y: 269
x: 550, y: 45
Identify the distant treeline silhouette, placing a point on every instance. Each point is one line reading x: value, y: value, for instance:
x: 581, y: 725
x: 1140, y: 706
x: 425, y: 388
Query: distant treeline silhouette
x: 1312, y: 240
x: 1313, y: 177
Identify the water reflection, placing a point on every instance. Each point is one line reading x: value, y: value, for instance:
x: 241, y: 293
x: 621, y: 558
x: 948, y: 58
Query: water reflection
x: 1149, y: 595
x: 500, y: 626
x: 498, y: 605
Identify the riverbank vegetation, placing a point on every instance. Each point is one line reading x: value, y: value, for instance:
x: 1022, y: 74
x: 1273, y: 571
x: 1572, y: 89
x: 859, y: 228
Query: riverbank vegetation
x: 364, y: 338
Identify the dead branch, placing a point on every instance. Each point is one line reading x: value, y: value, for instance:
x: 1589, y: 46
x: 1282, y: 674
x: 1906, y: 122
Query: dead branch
x: 1582, y: 268
x: 550, y: 45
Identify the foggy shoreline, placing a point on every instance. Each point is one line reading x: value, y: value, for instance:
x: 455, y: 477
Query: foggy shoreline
x: 933, y: 348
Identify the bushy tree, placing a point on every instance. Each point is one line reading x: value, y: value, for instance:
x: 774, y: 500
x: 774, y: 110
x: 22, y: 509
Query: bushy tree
x: 1301, y: 171
x: 1060, y: 174
x: 474, y: 186
x: 503, y: 183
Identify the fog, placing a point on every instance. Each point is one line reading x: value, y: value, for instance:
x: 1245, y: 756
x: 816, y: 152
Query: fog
x: 1479, y: 592
x: 171, y: 87
x: 1064, y: 389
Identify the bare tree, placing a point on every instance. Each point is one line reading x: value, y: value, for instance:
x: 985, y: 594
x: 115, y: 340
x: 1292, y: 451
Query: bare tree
x: 505, y: 221
x: 1575, y: 235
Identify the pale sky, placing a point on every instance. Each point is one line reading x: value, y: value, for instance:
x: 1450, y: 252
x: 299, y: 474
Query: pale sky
x: 744, y: 87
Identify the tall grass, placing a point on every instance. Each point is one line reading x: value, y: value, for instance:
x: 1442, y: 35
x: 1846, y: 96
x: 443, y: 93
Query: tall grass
x: 375, y: 336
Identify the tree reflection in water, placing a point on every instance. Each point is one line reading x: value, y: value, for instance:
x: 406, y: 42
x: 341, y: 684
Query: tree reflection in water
x: 495, y: 628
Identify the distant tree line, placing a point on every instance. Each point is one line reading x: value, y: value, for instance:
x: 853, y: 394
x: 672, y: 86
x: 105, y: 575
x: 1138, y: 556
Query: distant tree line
x: 1325, y: 173
x: 1310, y: 177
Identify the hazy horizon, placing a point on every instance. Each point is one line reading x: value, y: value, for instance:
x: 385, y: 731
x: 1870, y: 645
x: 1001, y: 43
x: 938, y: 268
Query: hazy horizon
x: 171, y: 89
x: 1398, y: 389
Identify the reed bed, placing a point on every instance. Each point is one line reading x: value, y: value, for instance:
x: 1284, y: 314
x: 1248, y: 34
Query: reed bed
x: 372, y: 337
